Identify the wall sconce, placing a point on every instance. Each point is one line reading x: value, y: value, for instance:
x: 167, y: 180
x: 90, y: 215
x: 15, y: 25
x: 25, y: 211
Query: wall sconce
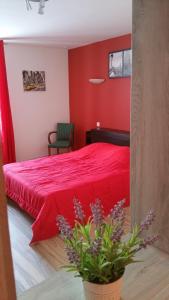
x: 96, y: 80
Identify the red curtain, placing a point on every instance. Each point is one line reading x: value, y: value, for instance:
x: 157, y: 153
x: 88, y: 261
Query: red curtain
x: 6, y: 127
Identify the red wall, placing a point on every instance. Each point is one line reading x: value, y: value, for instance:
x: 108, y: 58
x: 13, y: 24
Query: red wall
x: 109, y: 102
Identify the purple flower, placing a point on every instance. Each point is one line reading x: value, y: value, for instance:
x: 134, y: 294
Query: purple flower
x: 96, y: 246
x: 148, y: 241
x: 72, y: 255
x: 117, y: 212
x: 97, y: 212
x: 117, y: 234
x: 148, y: 221
x: 79, y: 213
x: 64, y: 227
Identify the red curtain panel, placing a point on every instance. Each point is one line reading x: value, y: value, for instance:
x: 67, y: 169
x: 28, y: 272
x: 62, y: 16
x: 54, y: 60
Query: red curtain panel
x: 6, y: 127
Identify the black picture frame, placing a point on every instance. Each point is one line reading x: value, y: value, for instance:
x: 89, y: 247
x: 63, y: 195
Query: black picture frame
x: 120, y: 63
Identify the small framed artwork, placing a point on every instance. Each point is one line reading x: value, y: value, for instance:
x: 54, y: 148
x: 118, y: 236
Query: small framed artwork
x: 120, y: 63
x: 34, y: 80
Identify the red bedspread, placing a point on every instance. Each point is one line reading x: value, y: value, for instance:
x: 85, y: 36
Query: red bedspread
x: 45, y: 187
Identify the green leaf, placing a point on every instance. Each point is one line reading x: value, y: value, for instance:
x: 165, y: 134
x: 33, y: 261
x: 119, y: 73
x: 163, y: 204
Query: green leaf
x: 107, y: 263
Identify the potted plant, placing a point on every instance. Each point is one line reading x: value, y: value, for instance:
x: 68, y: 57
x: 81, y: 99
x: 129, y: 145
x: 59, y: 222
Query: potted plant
x: 97, y: 250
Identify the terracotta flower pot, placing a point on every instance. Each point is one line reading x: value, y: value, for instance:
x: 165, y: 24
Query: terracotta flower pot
x: 110, y: 291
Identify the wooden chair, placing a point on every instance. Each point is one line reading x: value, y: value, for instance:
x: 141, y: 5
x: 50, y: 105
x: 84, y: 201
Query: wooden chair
x: 64, y: 137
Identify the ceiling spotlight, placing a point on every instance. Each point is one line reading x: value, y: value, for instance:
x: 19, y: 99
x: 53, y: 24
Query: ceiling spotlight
x: 41, y: 5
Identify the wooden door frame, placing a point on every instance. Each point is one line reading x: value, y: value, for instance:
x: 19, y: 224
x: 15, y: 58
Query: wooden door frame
x: 7, y: 282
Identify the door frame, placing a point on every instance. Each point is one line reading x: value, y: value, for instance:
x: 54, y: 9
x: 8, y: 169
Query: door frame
x: 7, y: 282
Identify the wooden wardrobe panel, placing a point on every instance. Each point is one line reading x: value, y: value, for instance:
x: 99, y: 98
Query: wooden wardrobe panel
x: 150, y: 115
x: 7, y: 285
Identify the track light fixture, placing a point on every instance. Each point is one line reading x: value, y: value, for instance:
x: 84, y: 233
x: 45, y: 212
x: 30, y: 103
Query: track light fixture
x: 41, y: 5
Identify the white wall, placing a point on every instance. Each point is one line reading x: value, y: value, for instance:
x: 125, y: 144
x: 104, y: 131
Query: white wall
x: 36, y: 113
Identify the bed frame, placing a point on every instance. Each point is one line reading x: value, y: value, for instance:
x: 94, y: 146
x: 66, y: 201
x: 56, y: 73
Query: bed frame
x: 108, y: 135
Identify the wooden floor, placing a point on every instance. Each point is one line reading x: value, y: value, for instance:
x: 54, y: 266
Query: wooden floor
x: 148, y: 280
x: 32, y: 264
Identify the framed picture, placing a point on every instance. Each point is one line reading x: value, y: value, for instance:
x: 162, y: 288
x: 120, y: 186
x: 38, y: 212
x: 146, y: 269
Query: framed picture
x: 34, y: 80
x: 120, y: 63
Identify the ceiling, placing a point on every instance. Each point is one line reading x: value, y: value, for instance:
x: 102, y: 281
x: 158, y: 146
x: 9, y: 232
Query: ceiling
x: 65, y: 23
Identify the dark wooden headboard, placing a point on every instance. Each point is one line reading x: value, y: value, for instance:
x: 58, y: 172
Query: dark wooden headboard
x: 107, y: 135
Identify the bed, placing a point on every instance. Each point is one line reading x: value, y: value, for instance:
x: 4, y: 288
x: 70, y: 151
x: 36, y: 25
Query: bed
x: 46, y: 187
